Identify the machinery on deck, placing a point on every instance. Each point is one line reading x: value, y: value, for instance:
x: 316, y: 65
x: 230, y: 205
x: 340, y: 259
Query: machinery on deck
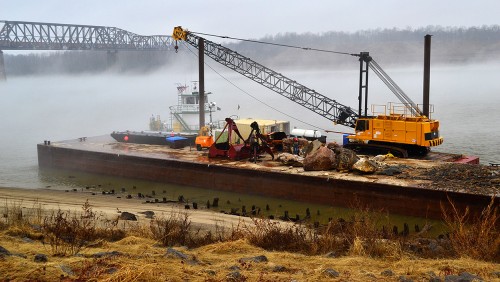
x: 400, y: 132
x: 204, y: 138
x: 275, y: 140
x: 251, y: 146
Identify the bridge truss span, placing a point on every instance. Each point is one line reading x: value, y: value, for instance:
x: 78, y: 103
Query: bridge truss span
x: 17, y: 35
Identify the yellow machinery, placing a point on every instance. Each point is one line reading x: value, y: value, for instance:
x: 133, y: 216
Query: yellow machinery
x: 204, y: 138
x: 394, y: 128
x: 413, y: 134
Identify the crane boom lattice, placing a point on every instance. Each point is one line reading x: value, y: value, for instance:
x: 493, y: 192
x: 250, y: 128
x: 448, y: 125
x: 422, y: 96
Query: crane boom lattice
x: 294, y: 91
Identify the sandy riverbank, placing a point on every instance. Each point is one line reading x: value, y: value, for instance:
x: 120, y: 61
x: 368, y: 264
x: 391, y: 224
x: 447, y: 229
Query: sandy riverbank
x: 110, y: 205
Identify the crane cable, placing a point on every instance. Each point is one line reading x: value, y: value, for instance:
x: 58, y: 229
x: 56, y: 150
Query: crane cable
x: 255, y: 98
x: 407, y: 102
x: 276, y: 44
x: 373, y: 65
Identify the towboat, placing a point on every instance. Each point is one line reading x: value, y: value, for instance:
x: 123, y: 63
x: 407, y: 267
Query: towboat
x: 183, y: 127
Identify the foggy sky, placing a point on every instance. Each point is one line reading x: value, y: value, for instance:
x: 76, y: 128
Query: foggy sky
x: 254, y: 18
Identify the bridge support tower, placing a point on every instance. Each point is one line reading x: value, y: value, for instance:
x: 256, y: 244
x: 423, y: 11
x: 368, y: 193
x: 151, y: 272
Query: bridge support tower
x: 111, y: 57
x: 3, y: 75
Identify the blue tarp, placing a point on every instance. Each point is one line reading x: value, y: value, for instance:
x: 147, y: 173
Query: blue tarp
x: 175, y: 138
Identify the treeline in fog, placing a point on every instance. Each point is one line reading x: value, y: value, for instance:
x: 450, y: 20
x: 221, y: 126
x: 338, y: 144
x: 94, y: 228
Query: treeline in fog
x: 78, y: 62
x: 386, y: 46
x: 450, y: 45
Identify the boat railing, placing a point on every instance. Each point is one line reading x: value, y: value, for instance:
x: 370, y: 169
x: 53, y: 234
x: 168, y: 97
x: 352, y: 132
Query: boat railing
x: 399, y: 109
x: 189, y: 108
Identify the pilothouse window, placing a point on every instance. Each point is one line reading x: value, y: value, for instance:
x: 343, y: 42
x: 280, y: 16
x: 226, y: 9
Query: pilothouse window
x: 191, y: 100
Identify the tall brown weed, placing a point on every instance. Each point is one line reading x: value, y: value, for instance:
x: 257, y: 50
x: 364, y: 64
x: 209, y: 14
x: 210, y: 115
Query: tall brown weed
x: 474, y: 236
x: 68, y: 233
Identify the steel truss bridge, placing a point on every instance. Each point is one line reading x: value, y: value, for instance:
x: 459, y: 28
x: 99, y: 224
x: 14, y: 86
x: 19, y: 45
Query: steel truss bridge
x: 16, y: 35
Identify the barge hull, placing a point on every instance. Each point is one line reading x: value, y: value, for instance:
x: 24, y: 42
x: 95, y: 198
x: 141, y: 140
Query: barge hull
x: 411, y: 201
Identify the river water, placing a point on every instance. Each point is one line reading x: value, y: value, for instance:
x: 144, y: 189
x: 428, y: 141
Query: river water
x: 33, y: 109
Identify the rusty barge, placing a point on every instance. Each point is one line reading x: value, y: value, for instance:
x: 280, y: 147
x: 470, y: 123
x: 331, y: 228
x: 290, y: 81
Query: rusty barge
x: 187, y: 166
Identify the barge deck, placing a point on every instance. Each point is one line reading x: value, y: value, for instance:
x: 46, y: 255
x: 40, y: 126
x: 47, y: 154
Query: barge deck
x: 187, y: 166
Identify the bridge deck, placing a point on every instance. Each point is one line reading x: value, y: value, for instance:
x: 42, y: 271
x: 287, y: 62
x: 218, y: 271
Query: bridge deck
x: 18, y: 35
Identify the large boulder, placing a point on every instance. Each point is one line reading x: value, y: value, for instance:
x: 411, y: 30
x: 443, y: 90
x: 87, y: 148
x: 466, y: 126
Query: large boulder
x: 365, y: 165
x: 312, y: 147
x: 321, y: 159
x: 345, y: 159
x: 290, y: 159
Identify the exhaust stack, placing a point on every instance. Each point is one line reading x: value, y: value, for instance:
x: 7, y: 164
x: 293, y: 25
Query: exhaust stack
x: 427, y: 70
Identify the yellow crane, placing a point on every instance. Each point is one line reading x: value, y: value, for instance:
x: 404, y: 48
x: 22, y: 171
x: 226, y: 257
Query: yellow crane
x: 408, y: 130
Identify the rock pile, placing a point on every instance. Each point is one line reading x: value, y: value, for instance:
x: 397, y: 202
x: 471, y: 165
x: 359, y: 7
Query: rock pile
x: 290, y: 159
x: 319, y: 157
x: 459, y: 177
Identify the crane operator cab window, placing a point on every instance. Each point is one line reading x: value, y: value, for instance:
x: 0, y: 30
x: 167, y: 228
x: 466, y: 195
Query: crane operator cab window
x: 362, y: 125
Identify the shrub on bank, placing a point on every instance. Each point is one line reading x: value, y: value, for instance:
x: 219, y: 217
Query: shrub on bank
x: 67, y: 233
x: 476, y: 237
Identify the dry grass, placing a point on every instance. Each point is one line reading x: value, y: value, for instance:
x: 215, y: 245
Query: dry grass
x: 294, y: 251
x: 68, y: 232
x: 175, y: 229
x: 358, y: 236
x: 474, y: 237
x: 274, y: 235
x: 143, y: 261
x: 15, y: 216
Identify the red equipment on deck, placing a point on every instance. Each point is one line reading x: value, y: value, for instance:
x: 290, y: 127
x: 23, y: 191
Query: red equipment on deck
x: 239, y: 151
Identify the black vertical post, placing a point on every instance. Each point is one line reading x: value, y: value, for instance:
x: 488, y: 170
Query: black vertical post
x: 364, y: 61
x: 201, y: 74
x: 360, y: 97
x: 366, y: 85
x: 427, y: 74
x: 3, y: 75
